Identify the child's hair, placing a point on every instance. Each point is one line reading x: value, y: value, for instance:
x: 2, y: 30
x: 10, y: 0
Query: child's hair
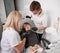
x: 26, y: 23
x: 35, y: 5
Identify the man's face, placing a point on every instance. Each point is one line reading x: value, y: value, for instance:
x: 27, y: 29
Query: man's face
x: 36, y: 11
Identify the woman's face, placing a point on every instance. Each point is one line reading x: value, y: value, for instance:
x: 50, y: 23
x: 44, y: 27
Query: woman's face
x: 27, y: 27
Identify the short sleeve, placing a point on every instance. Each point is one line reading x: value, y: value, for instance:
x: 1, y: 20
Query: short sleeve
x: 14, y: 39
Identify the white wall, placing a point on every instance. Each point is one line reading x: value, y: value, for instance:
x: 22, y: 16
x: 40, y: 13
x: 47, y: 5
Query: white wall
x: 52, y: 6
x: 2, y: 11
x: 23, y: 6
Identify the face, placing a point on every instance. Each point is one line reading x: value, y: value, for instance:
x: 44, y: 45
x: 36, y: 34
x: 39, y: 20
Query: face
x: 36, y: 11
x: 27, y: 27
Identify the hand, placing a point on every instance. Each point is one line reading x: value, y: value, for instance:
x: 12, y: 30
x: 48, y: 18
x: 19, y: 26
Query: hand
x: 24, y: 40
x: 32, y: 49
x: 39, y: 48
x: 41, y: 28
x: 34, y: 28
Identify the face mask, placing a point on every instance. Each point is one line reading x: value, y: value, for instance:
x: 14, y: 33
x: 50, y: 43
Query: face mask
x: 36, y: 14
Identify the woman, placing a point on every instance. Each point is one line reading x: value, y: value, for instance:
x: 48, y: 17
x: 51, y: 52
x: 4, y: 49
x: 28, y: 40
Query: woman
x: 11, y: 41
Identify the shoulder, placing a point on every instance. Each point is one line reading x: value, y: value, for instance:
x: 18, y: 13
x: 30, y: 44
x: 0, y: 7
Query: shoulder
x: 10, y: 32
x: 44, y: 15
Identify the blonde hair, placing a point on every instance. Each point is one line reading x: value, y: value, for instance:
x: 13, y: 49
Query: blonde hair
x: 13, y: 20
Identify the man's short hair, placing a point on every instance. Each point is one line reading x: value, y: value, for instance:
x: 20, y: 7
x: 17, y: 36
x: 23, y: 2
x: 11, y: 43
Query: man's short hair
x: 35, y: 5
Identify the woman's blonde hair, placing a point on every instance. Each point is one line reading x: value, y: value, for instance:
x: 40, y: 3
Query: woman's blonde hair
x: 13, y: 20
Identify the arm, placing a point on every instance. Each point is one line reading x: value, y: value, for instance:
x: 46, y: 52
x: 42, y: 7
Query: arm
x: 38, y: 28
x: 20, y: 47
x: 41, y: 28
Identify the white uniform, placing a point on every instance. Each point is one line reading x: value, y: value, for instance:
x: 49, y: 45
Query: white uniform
x: 40, y: 20
x: 10, y: 38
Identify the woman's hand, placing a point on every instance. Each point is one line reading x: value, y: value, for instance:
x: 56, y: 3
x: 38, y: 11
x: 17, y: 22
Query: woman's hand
x: 19, y: 48
x: 24, y: 40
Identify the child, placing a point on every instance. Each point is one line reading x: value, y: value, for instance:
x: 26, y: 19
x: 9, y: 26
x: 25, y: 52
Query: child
x: 32, y: 41
x: 30, y: 35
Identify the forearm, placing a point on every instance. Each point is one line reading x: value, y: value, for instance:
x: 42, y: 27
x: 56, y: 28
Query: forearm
x: 20, y: 47
x: 41, y: 28
x: 38, y: 28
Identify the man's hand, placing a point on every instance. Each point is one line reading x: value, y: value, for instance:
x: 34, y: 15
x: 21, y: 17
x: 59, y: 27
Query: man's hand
x: 41, y: 28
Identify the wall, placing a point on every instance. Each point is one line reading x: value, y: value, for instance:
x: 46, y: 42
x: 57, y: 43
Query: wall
x: 6, y: 6
x: 9, y: 6
x: 53, y: 7
x: 2, y: 11
x: 23, y: 6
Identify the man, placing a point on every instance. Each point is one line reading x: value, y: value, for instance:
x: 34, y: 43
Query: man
x: 39, y: 17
